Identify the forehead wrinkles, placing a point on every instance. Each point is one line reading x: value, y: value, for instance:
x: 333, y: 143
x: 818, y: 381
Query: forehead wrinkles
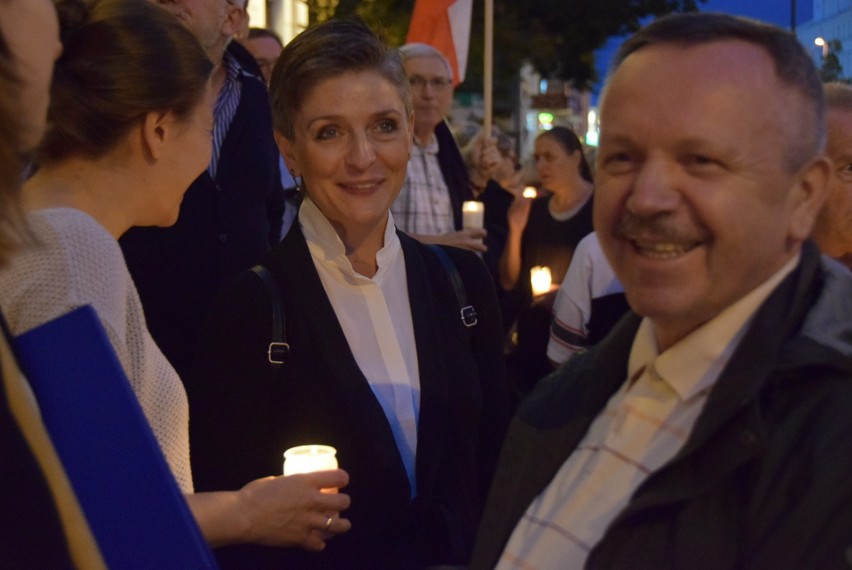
x: 839, y: 123
x: 426, y: 65
x: 727, y: 85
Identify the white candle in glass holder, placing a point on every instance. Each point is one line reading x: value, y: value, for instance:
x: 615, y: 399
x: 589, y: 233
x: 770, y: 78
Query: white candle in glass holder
x: 540, y: 279
x: 473, y: 214
x: 309, y: 458
x: 530, y: 192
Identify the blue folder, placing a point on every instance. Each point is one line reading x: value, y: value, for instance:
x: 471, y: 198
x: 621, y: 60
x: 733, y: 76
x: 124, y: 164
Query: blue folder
x: 133, y: 504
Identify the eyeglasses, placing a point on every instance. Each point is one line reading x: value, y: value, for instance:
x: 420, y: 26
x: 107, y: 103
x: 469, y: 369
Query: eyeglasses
x: 436, y: 83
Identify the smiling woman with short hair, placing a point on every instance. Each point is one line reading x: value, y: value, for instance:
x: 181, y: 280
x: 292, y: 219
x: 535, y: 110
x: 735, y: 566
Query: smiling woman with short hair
x: 380, y: 366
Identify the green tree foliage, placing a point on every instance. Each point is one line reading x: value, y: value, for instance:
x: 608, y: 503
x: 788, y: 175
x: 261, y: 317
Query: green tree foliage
x: 831, y: 70
x: 559, y: 37
x: 565, y: 33
x: 390, y: 16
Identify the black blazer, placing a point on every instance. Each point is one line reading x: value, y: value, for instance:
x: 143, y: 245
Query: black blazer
x: 225, y: 226
x: 244, y: 415
x: 454, y: 171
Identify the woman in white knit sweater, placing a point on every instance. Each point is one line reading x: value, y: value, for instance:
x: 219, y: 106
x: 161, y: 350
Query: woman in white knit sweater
x: 130, y: 125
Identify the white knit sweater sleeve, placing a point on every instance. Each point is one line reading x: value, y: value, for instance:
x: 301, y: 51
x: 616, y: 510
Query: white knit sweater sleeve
x: 77, y: 262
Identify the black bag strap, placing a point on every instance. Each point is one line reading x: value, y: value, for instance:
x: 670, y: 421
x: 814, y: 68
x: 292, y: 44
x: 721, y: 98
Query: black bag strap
x: 468, y: 313
x: 278, y: 347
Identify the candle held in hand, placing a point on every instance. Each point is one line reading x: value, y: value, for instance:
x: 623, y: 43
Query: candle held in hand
x: 540, y: 279
x: 473, y: 214
x: 309, y: 458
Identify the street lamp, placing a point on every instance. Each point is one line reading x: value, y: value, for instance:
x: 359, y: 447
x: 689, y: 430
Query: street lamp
x: 823, y: 44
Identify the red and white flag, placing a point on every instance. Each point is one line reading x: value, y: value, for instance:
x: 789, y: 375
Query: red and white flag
x: 445, y: 25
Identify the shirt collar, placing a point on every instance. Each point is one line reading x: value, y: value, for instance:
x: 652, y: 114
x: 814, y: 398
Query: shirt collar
x: 430, y: 148
x: 693, y: 364
x: 232, y: 67
x: 327, y: 247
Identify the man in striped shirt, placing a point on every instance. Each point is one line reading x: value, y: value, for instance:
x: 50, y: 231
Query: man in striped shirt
x: 711, y: 428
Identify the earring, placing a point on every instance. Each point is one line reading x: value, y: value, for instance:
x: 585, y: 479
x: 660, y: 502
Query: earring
x: 297, y: 179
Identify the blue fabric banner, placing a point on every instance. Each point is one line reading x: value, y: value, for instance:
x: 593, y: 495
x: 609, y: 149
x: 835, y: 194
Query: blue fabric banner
x: 131, y: 500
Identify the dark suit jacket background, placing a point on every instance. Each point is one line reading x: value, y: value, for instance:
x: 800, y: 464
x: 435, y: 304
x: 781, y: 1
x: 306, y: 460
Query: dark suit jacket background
x: 497, y: 201
x: 454, y: 170
x: 225, y: 226
x: 244, y: 417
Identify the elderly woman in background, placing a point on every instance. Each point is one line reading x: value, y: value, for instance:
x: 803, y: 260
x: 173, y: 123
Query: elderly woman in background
x: 380, y: 366
x: 130, y: 128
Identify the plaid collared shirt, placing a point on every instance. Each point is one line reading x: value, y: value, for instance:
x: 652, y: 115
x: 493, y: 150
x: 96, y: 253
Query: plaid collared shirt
x: 423, y: 206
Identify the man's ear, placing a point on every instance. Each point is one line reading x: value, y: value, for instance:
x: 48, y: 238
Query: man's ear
x: 807, y: 196
x: 236, y: 20
x: 285, y: 147
x: 156, y: 129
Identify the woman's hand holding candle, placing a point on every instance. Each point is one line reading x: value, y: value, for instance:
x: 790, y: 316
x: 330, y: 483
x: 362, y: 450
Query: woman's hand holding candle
x: 294, y: 510
x: 275, y: 511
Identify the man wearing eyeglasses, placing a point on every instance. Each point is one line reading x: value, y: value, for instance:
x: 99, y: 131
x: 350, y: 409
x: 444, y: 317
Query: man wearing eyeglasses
x: 232, y: 212
x: 437, y: 182
x: 265, y: 46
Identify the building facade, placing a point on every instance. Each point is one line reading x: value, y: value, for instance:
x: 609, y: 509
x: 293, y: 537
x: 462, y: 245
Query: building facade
x: 286, y: 17
x: 832, y: 20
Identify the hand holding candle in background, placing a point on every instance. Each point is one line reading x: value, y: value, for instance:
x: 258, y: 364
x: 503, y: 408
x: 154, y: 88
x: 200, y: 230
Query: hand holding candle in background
x: 543, y: 288
x: 471, y: 236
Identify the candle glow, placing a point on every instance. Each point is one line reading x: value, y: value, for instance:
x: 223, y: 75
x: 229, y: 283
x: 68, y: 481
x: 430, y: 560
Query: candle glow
x: 473, y: 214
x: 540, y: 279
x: 309, y: 458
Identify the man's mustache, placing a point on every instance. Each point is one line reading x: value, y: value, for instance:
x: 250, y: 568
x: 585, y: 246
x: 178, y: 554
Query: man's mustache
x: 658, y: 228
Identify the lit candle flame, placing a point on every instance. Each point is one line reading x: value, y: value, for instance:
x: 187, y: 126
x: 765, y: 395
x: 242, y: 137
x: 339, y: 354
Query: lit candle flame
x: 540, y: 279
x: 310, y: 458
x: 473, y: 214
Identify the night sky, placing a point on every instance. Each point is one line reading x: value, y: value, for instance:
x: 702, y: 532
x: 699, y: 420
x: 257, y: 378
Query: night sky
x: 777, y: 12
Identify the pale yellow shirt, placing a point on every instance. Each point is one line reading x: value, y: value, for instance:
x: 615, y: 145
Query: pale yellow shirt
x: 642, y: 427
x: 375, y: 316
